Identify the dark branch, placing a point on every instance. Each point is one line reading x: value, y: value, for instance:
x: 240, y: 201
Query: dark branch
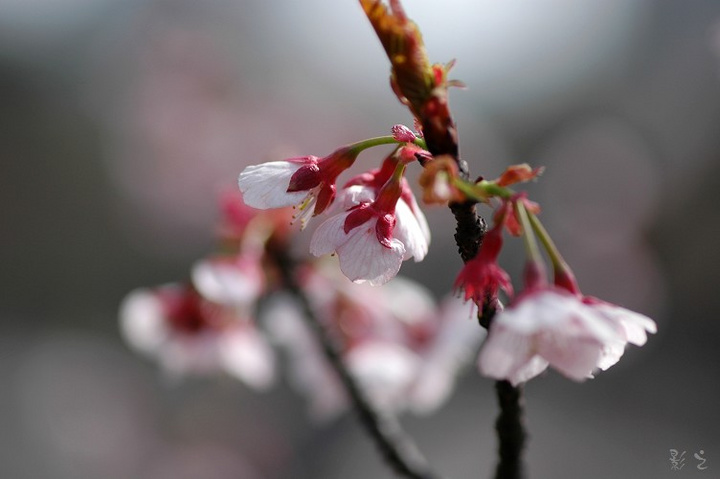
x: 510, y: 430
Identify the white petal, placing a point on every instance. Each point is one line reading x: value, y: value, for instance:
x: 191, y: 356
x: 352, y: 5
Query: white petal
x: 422, y: 221
x: 245, y: 354
x: 506, y: 355
x: 634, y: 325
x: 355, y: 195
x: 409, y: 232
x: 143, y: 322
x: 364, y: 259
x: 611, y: 354
x: 265, y: 185
x: 529, y: 370
x: 329, y: 235
x: 575, y: 357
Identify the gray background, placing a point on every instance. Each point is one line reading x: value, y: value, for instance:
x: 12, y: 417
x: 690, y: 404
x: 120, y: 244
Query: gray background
x: 121, y: 120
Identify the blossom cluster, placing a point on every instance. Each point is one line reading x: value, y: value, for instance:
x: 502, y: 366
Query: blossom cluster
x: 234, y: 315
x: 375, y: 223
x: 235, y: 311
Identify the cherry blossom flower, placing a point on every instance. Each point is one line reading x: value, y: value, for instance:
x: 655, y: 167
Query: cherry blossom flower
x: 411, y: 220
x: 381, y: 227
x: 189, y: 335
x: 307, y: 182
x: 546, y: 326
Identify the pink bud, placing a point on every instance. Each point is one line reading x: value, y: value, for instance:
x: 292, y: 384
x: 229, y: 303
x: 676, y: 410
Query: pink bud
x: 403, y: 133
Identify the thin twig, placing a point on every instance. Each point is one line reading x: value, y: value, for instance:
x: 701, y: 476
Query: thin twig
x: 394, y: 444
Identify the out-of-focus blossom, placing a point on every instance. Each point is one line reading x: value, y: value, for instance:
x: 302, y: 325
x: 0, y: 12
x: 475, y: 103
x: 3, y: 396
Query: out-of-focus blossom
x: 308, y: 370
x: 546, y: 326
x: 235, y: 215
x: 451, y: 348
x: 404, y: 353
x: 190, y: 335
x: 234, y: 281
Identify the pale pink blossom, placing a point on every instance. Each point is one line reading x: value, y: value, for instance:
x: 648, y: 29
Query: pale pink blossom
x: 402, y: 351
x: 362, y: 239
x: 386, y: 370
x: 189, y: 335
x: 309, y: 372
x: 546, y: 326
x: 412, y: 228
x: 380, y: 228
x: 449, y: 349
x: 233, y: 281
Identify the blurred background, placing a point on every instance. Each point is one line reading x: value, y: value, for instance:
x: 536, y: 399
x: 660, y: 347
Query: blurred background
x: 122, y: 120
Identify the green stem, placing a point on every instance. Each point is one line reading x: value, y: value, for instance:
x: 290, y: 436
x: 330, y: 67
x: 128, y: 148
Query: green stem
x: 359, y: 146
x: 531, y: 246
x: 482, y: 190
x: 558, y: 262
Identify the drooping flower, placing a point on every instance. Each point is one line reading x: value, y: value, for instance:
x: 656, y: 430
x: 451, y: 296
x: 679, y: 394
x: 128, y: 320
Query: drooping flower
x: 631, y: 327
x: 363, y: 241
x: 190, y: 335
x: 376, y: 233
x: 307, y: 182
x: 546, y: 326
